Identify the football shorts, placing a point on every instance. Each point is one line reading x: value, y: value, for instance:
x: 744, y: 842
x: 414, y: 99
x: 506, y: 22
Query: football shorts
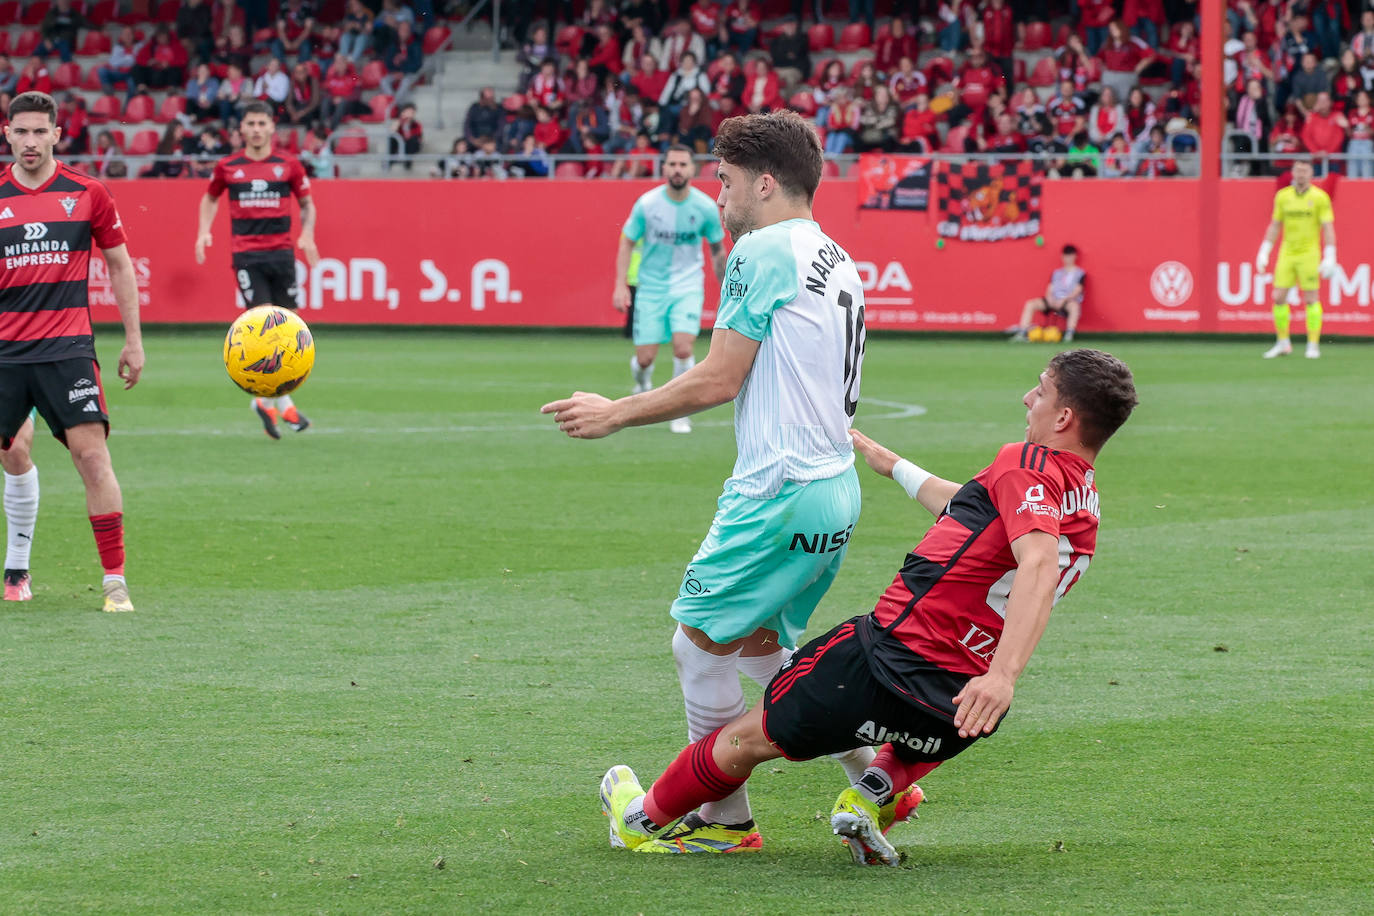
x: 267, y: 282
x: 658, y: 317
x: 66, y: 393
x: 1298, y: 270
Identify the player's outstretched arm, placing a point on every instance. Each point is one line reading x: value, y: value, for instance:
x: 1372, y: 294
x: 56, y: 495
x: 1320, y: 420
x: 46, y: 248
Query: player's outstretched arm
x: 934, y: 493
x: 209, y: 206
x: 124, y: 284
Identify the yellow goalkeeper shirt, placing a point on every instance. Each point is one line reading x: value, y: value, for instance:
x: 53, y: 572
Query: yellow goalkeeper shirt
x: 1303, y: 216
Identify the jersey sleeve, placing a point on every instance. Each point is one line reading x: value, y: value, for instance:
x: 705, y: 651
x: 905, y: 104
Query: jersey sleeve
x: 760, y: 277
x: 300, y: 182
x: 107, y: 229
x: 713, y: 231
x: 1026, y: 490
x: 1324, y: 212
x: 217, y: 183
x: 1278, y: 207
x: 634, y: 226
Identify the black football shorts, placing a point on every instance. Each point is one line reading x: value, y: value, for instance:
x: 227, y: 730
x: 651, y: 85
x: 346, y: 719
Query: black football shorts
x: 268, y: 283
x: 66, y: 392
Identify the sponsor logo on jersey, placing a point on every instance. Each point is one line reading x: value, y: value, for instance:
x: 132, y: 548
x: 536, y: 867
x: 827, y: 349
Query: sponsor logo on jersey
x: 691, y: 585
x: 735, y: 287
x: 1035, y: 494
x: 82, y: 388
x: 35, y: 231
x: 68, y: 204
x: 6, y: 213
x: 91, y: 407
x: 825, y: 542
x: 238, y: 173
x: 873, y: 733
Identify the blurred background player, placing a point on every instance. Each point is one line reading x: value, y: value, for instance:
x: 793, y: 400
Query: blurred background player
x: 47, y: 346
x: 1306, y: 257
x: 1063, y: 297
x: 21, y: 511
x: 787, y: 348
x: 632, y: 281
x: 261, y: 182
x: 671, y: 221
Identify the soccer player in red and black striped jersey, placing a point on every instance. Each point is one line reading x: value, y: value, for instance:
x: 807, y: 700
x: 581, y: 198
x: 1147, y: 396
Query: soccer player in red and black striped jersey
x: 50, y: 216
x: 932, y: 669
x: 261, y: 182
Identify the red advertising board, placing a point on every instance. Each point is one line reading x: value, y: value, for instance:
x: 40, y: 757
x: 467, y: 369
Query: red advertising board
x: 541, y: 253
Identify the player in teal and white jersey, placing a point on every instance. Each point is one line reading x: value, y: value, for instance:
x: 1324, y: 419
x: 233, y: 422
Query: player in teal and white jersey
x: 669, y: 224
x: 788, y: 348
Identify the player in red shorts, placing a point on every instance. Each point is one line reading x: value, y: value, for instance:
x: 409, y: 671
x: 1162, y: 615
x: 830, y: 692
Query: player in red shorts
x: 50, y: 215
x: 261, y: 182
x: 932, y: 669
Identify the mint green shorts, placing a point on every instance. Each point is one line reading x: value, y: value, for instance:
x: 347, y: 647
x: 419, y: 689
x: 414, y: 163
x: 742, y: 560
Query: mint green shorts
x: 766, y: 563
x: 659, y: 317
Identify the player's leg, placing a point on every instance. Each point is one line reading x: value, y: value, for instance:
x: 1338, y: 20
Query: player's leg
x: 642, y: 366
x: 684, y: 324
x: 256, y: 290
x: 104, y: 505
x: 649, y: 333
x: 1309, y: 281
x: 1285, y: 278
x: 1038, y: 304
x: 21, y: 496
x: 285, y: 293
x: 1073, y: 310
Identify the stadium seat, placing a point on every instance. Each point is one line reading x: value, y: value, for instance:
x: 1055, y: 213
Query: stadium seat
x: 939, y: 70
x: 884, y: 31
x: 803, y: 103
x: 92, y: 81
x: 372, y: 74
x: 821, y: 37
x: 831, y: 169
x: 350, y: 143
x: 104, y: 12
x: 569, y: 41
x: 1046, y: 72
x: 94, y: 43
x: 568, y: 170
x: 66, y: 76
x: 435, y: 36
x: 1038, y: 36
x: 105, y: 108
x: 171, y: 106
x: 854, y: 37
x: 1094, y: 69
x: 954, y: 140
x: 140, y: 108
x: 263, y: 37
x: 4, y: 42
x: 859, y: 65
x: 380, y: 105
x: 25, y: 44
x: 144, y: 143
x: 1018, y: 71
x: 10, y: 11
x: 35, y: 11
x: 167, y: 11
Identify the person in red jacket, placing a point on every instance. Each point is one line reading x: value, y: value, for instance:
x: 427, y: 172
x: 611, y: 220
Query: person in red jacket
x: 1286, y: 137
x: 1183, y: 49
x: 548, y: 133
x: 1323, y: 133
x: 727, y: 81
x: 897, y: 44
x: 1144, y: 18
x: 977, y: 81
x: 919, y: 133
x: 161, y: 62
x: 1123, y: 58
x: 999, y: 36
x: 342, y: 90
x: 761, y: 90
x: 705, y: 15
x: 650, y: 80
x: 34, y: 77
x: 605, y: 58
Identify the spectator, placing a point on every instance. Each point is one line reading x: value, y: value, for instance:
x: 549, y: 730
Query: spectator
x: 1106, y: 118
x: 897, y: 44
x: 1252, y: 121
x: 343, y: 91
x: 1140, y: 113
x: 119, y: 66
x: 1153, y: 155
x: 1360, y: 149
x: 1047, y: 146
x: 743, y: 19
x: 951, y: 14
x: 1362, y: 43
x: 862, y: 9
x: 1072, y: 62
x: 1123, y: 58
x: 534, y: 161
x: 202, y: 93
x: 878, y: 122
x: 458, y: 163
x: 1252, y: 63
x: 548, y: 131
x: 386, y: 27
x: 729, y: 79
x: 273, y: 86
x: 1116, y: 159
x: 761, y: 89
x: 160, y: 63
x: 533, y: 54
x: 232, y: 48
x: 1095, y: 16
x: 907, y: 82
x: 1067, y: 111
x: 679, y: 41
x: 34, y: 77
x: 727, y: 107
x: 695, y: 122
x: 687, y: 77
x: 1025, y: 106
x: 705, y: 16
x: 1183, y: 50
x: 1286, y: 137
x: 1144, y: 18
x: 316, y: 156
x: 596, y: 13
x: 355, y: 36
x: 1323, y: 133
x: 589, y: 126
x: 193, y: 28
x: 171, y: 153
x: 1348, y: 81
x: 1084, y: 160
x: 1329, y: 19
x: 484, y: 160
x: 210, y: 146
x: 919, y: 131
x: 1007, y: 138
x: 294, y: 25
x: 59, y: 29
x: 303, y: 100
x: 649, y: 80
x: 581, y: 85
x: 9, y: 77
x: 108, y: 163
x: 832, y: 79
x: 605, y: 57
x: 633, y: 51
x: 285, y: 139
x: 235, y: 91
x: 546, y: 89
x: 407, y: 136
x: 976, y: 82
x: 1063, y: 296
x: 639, y: 163
x: 403, y: 64
x: 865, y: 81
x: 623, y: 112
x: 73, y: 120
x: 842, y: 123
x: 1308, y: 83
x: 999, y: 36
x: 790, y: 52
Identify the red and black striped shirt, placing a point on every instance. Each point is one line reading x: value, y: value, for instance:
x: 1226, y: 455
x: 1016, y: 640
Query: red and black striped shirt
x: 45, y: 240
x: 260, y: 192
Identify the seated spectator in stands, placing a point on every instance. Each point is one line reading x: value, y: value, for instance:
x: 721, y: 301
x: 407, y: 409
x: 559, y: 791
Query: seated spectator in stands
x: 303, y: 101
x: 1348, y: 81
x: 623, y: 111
x: 842, y: 123
x: 1329, y: 19
x: 343, y: 91
x: 161, y: 62
x: 1144, y: 18
x: 952, y: 27
x: 1095, y: 17
x: 546, y: 89
x: 999, y: 37
x: 719, y: 44
x: 605, y: 57
x: 1360, y: 149
x: 294, y: 25
x: 1323, y: 133
x: 1117, y: 158
x: 533, y: 54
x: 1063, y: 297
x: 1251, y: 120
x: 649, y: 80
x: 9, y: 77
x: 726, y: 107
x: 286, y: 139
x: 550, y: 134
x: 108, y: 162
x: 484, y: 161
x: 202, y: 94
x: 407, y: 136
x: 73, y: 120
x: 514, y: 131
x: 34, y: 77
x: 977, y: 81
x: 235, y: 90
x: 694, y: 123
x: 919, y: 131
x: 761, y: 90
x: 1067, y: 111
x: 386, y: 27
x: 588, y: 122
x: 1252, y: 63
x: 878, y: 122
x: 1072, y: 63
x: 866, y: 80
x: 534, y: 161
x: 685, y: 78
x: 1084, y: 160
x: 171, y: 153
x: 1309, y: 82
x: 194, y: 28
x: 832, y: 78
x: 1286, y: 137
x: 1106, y: 118
x: 355, y: 35
x: 729, y: 79
x: 1154, y: 157
x: 743, y: 17
x: 1025, y: 106
x: 634, y: 49
x: 646, y: 13
x: 790, y: 52
x: 580, y: 84
x: 680, y: 40
x: 273, y: 86
x: 705, y: 16
x: 59, y: 29
x: 458, y: 163
x: 1047, y: 146
x: 1140, y: 113
x: 403, y: 64
x: 1006, y: 138
x: 907, y: 82
x: 1362, y: 42
x: 232, y: 48
x: 316, y: 155
x: 1123, y: 58
x: 1183, y: 50
x: 119, y: 66
x: 897, y: 44
x: 639, y: 163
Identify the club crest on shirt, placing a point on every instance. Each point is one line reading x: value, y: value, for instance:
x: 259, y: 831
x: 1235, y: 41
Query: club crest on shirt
x: 735, y: 287
x: 68, y: 204
x: 277, y: 171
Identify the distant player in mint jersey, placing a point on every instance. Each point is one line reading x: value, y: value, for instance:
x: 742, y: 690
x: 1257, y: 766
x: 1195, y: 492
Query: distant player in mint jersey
x: 788, y: 349
x: 669, y: 223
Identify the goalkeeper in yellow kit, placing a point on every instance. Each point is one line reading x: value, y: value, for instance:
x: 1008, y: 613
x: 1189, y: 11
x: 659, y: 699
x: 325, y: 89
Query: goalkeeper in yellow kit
x: 1304, y: 214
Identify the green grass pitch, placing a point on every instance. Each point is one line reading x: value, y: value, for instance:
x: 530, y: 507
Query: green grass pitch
x: 381, y: 666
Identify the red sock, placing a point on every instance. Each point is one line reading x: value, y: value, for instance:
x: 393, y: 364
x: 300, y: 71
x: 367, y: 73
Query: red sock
x: 899, y: 771
x: 109, y: 540
x: 689, y: 782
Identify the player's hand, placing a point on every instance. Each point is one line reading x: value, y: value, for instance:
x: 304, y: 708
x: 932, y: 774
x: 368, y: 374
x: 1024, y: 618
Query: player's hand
x: 584, y: 415
x: 307, y: 246
x: 981, y: 704
x: 879, y: 458
x: 203, y: 241
x: 621, y: 297
x: 131, y: 364
x: 1327, y: 269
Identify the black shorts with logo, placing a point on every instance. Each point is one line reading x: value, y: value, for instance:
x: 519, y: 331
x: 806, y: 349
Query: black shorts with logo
x: 66, y: 392
x: 826, y: 699
x: 267, y: 281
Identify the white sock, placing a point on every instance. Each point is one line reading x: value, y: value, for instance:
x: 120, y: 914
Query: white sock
x: 112, y: 578
x: 21, y: 516
x: 643, y: 375
x: 855, y: 762
x: 682, y: 365
x: 761, y: 668
x: 712, y: 695
x: 637, y: 820
x: 285, y: 403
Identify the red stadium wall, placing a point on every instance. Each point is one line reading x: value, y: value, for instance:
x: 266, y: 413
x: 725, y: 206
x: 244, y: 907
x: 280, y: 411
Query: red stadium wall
x: 540, y: 253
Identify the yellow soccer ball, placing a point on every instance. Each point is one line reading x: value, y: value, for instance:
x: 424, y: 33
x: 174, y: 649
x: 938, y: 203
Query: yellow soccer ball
x: 269, y: 351
x: 1052, y: 334
x: 1035, y: 333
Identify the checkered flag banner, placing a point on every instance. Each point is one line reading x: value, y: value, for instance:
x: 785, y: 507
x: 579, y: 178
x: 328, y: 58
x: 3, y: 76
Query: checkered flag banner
x: 989, y: 201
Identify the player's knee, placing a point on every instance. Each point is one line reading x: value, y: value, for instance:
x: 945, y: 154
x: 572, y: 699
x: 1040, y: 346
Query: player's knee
x: 91, y: 457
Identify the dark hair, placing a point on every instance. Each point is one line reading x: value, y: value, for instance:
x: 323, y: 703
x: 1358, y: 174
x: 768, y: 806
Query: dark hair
x: 1098, y: 388
x: 1069, y: 249
x: 679, y: 148
x: 779, y: 143
x: 257, y: 106
x: 40, y: 102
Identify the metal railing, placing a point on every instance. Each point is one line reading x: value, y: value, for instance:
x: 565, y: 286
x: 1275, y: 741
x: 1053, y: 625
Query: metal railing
x: 1232, y: 163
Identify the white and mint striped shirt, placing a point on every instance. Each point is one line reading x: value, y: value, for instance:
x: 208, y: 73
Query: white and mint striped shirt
x: 795, y: 291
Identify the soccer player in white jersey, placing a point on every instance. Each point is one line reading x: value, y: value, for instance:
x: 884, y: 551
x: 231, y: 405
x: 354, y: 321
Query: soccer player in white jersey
x: 670, y: 221
x: 788, y: 349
